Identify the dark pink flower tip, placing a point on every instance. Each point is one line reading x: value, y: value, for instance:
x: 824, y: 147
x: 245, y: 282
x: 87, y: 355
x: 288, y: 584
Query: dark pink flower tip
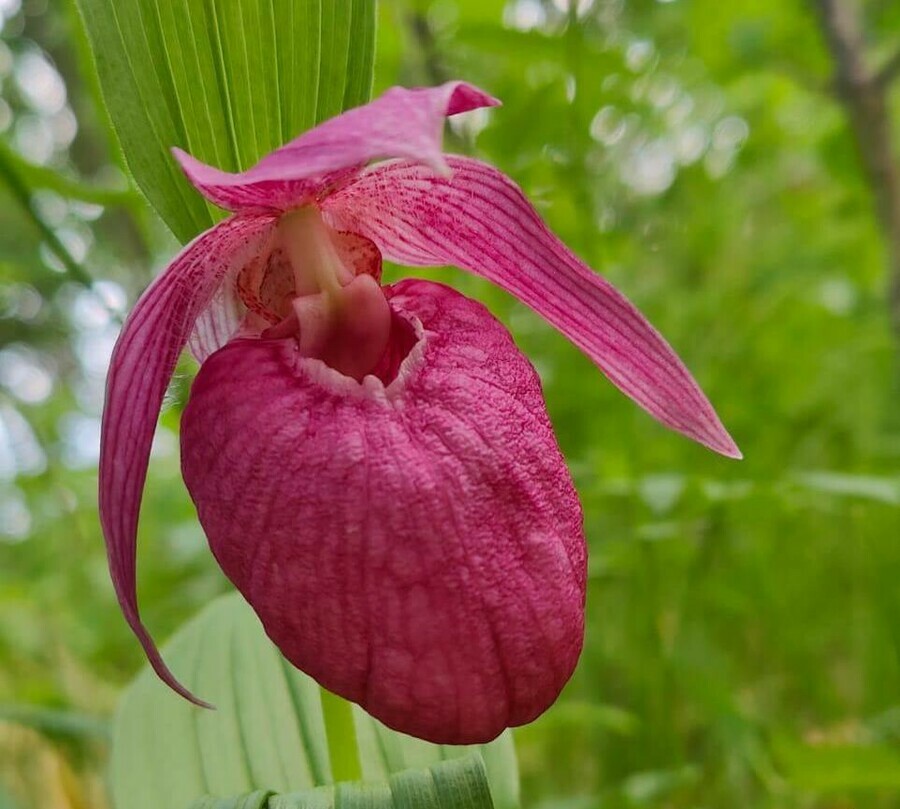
x: 401, y: 123
x: 416, y: 547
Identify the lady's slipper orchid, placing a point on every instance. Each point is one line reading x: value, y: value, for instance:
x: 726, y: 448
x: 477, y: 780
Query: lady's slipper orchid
x: 373, y: 465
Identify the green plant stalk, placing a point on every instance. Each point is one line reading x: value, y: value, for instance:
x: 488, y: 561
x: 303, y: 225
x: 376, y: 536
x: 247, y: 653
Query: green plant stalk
x: 43, y: 177
x: 22, y: 194
x: 341, y: 733
x: 64, y: 723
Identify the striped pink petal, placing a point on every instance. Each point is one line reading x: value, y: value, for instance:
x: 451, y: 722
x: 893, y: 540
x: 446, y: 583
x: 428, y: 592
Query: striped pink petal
x: 478, y: 219
x: 142, y: 364
x: 401, y: 123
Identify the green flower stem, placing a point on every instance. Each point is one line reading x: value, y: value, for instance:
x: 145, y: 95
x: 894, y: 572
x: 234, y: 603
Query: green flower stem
x: 341, y: 733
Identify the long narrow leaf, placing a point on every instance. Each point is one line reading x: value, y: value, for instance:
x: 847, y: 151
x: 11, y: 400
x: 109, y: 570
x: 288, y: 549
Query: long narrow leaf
x: 226, y: 81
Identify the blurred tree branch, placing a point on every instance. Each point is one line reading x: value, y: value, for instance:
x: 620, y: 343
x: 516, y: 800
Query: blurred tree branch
x: 862, y: 93
x: 423, y: 36
x: 43, y: 177
x: 890, y: 71
x: 431, y: 64
x: 11, y: 176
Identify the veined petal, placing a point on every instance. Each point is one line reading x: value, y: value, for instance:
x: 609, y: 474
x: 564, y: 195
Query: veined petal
x: 142, y: 364
x: 418, y: 547
x: 400, y: 123
x: 219, y: 321
x: 480, y: 220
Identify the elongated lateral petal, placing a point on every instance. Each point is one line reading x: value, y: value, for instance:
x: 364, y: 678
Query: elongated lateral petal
x: 142, y: 364
x: 400, y: 123
x: 417, y: 548
x: 478, y: 219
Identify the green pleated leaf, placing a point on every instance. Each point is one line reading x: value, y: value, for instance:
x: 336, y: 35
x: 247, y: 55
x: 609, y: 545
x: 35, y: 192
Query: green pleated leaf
x: 272, y: 730
x: 226, y: 81
x: 255, y: 800
x: 458, y: 784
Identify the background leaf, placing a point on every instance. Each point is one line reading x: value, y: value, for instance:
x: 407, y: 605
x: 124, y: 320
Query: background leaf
x: 839, y: 766
x: 461, y: 784
x: 268, y: 731
x: 228, y: 82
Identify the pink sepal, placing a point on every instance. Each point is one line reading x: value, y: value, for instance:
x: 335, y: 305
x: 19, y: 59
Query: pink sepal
x: 400, y: 123
x: 142, y: 364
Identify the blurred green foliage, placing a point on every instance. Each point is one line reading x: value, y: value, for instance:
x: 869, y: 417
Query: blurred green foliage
x: 743, y: 645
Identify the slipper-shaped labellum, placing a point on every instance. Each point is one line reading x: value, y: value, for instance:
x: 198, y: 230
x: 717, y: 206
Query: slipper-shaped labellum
x: 373, y: 465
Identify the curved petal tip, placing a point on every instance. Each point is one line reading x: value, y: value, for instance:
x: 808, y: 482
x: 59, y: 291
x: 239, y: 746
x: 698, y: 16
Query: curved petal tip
x: 158, y: 664
x: 728, y: 448
x: 465, y: 97
x: 200, y: 174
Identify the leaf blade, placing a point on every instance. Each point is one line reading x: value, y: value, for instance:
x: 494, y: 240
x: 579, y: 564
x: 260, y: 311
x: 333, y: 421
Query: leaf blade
x: 268, y: 732
x: 456, y: 784
x: 228, y: 82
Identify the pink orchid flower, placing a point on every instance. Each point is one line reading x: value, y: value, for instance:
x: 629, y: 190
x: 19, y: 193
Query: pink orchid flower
x: 373, y: 465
